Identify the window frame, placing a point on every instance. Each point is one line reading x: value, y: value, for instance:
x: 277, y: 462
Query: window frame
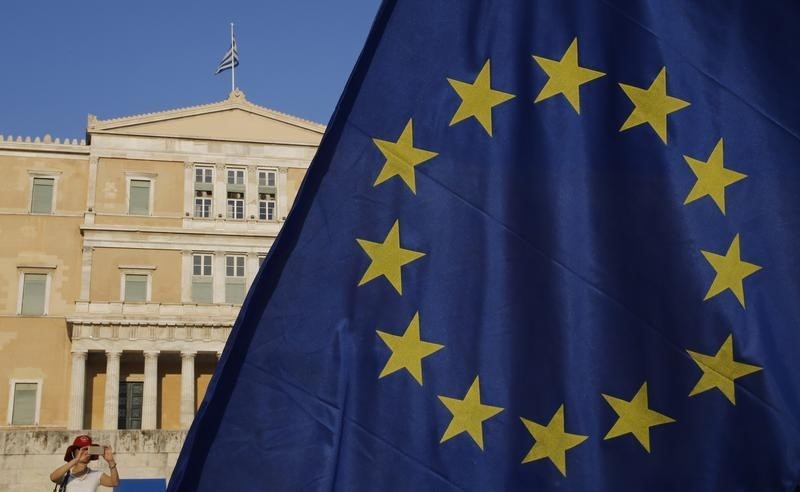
x: 136, y: 270
x: 236, y: 170
x: 37, y: 410
x: 266, y: 172
x: 235, y: 278
x: 129, y: 178
x: 40, y: 270
x: 202, y: 278
x: 40, y: 175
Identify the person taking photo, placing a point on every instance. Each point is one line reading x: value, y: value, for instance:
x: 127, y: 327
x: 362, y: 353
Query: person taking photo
x: 76, y: 476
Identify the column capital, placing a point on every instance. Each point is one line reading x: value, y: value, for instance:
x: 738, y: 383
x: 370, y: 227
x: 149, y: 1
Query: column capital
x: 151, y: 354
x: 188, y: 354
x: 79, y: 353
x: 113, y: 353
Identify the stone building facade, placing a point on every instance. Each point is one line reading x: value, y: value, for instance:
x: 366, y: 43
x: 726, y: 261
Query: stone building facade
x: 124, y: 260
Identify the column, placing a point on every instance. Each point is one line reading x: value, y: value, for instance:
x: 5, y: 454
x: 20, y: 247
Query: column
x: 283, y: 196
x: 220, y: 191
x: 150, y: 390
x: 219, y: 277
x: 186, y: 276
x: 111, y: 402
x: 77, y: 387
x: 187, y: 388
x: 86, y: 272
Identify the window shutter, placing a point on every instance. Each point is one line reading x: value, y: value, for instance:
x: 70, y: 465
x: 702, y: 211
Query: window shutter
x: 202, y: 290
x: 135, y: 288
x: 234, y: 290
x: 33, y: 294
x: 42, y: 197
x: 139, y: 197
x: 24, y: 411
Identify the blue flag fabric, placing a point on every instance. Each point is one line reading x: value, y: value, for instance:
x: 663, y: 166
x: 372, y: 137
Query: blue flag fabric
x: 544, y: 245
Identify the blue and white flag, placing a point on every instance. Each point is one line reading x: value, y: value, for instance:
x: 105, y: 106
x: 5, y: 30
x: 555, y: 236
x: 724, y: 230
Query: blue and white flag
x: 230, y: 60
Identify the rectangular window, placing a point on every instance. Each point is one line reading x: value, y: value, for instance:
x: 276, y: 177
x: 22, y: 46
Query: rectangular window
x: 266, y: 178
x: 266, y: 209
x: 203, y: 175
x: 34, y: 291
x: 139, y: 197
x: 261, y: 261
x: 130, y: 405
x: 235, y: 206
x: 202, y: 280
x: 234, y: 279
x: 202, y: 205
x: 42, y: 196
x: 135, y: 287
x: 24, y: 407
x: 236, y: 177
x: 203, y: 191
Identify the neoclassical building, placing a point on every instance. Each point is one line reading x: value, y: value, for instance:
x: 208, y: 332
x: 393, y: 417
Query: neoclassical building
x: 124, y: 260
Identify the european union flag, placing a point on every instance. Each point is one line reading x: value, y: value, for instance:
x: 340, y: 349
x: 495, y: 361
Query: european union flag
x: 545, y: 245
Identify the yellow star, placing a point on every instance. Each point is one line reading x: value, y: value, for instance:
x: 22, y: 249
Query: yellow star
x: 565, y: 76
x: 401, y: 157
x: 387, y: 258
x: 468, y: 414
x: 407, y: 350
x: 478, y: 99
x: 712, y: 177
x: 635, y: 417
x: 720, y: 371
x: 731, y: 271
x: 552, y: 441
x: 652, y: 105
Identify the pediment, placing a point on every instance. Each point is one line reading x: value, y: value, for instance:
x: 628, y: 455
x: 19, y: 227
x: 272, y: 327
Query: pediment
x: 234, y: 119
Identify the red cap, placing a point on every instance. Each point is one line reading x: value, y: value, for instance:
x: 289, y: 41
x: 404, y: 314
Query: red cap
x: 79, y: 442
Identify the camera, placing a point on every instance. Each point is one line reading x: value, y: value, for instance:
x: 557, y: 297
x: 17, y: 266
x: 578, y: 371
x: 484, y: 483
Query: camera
x: 95, y: 449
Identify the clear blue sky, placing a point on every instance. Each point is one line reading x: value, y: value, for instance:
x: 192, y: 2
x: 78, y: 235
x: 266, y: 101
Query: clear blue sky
x: 63, y: 60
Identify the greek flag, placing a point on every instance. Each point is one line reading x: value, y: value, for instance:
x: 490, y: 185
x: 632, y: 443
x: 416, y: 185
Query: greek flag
x: 230, y: 60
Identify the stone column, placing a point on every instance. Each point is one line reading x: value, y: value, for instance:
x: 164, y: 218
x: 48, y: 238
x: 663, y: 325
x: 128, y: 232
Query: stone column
x: 77, y: 387
x: 283, y: 196
x: 187, y: 388
x: 150, y: 390
x: 111, y: 402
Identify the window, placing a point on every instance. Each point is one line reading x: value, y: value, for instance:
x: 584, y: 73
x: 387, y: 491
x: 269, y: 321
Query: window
x: 202, y: 279
x: 266, y: 209
x: 236, y: 177
x: 203, y: 175
x: 135, y: 287
x: 42, y: 195
x: 24, y: 404
x: 34, y: 294
x: 203, y: 191
x: 235, y: 205
x: 261, y: 260
x: 130, y: 405
x: 266, y: 177
x: 234, y: 279
x: 235, y: 194
x: 139, y: 197
x: 266, y: 194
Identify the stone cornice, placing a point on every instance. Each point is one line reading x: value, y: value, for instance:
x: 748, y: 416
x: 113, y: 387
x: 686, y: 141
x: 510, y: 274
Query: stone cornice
x: 236, y: 100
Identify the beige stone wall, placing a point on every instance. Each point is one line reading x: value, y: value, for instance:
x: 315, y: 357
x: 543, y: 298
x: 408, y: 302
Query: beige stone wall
x: 111, y: 194
x: 106, y: 273
x: 203, y: 370
x: 36, y: 348
x: 40, y: 241
x: 70, y: 188
x: 294, y: 177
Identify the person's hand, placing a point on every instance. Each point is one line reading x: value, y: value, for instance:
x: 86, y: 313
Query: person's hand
x: 81, y: 454
x: 108, y: 454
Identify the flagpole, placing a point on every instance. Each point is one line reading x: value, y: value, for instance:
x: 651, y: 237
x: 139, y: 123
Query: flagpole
x: 233, y: 64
